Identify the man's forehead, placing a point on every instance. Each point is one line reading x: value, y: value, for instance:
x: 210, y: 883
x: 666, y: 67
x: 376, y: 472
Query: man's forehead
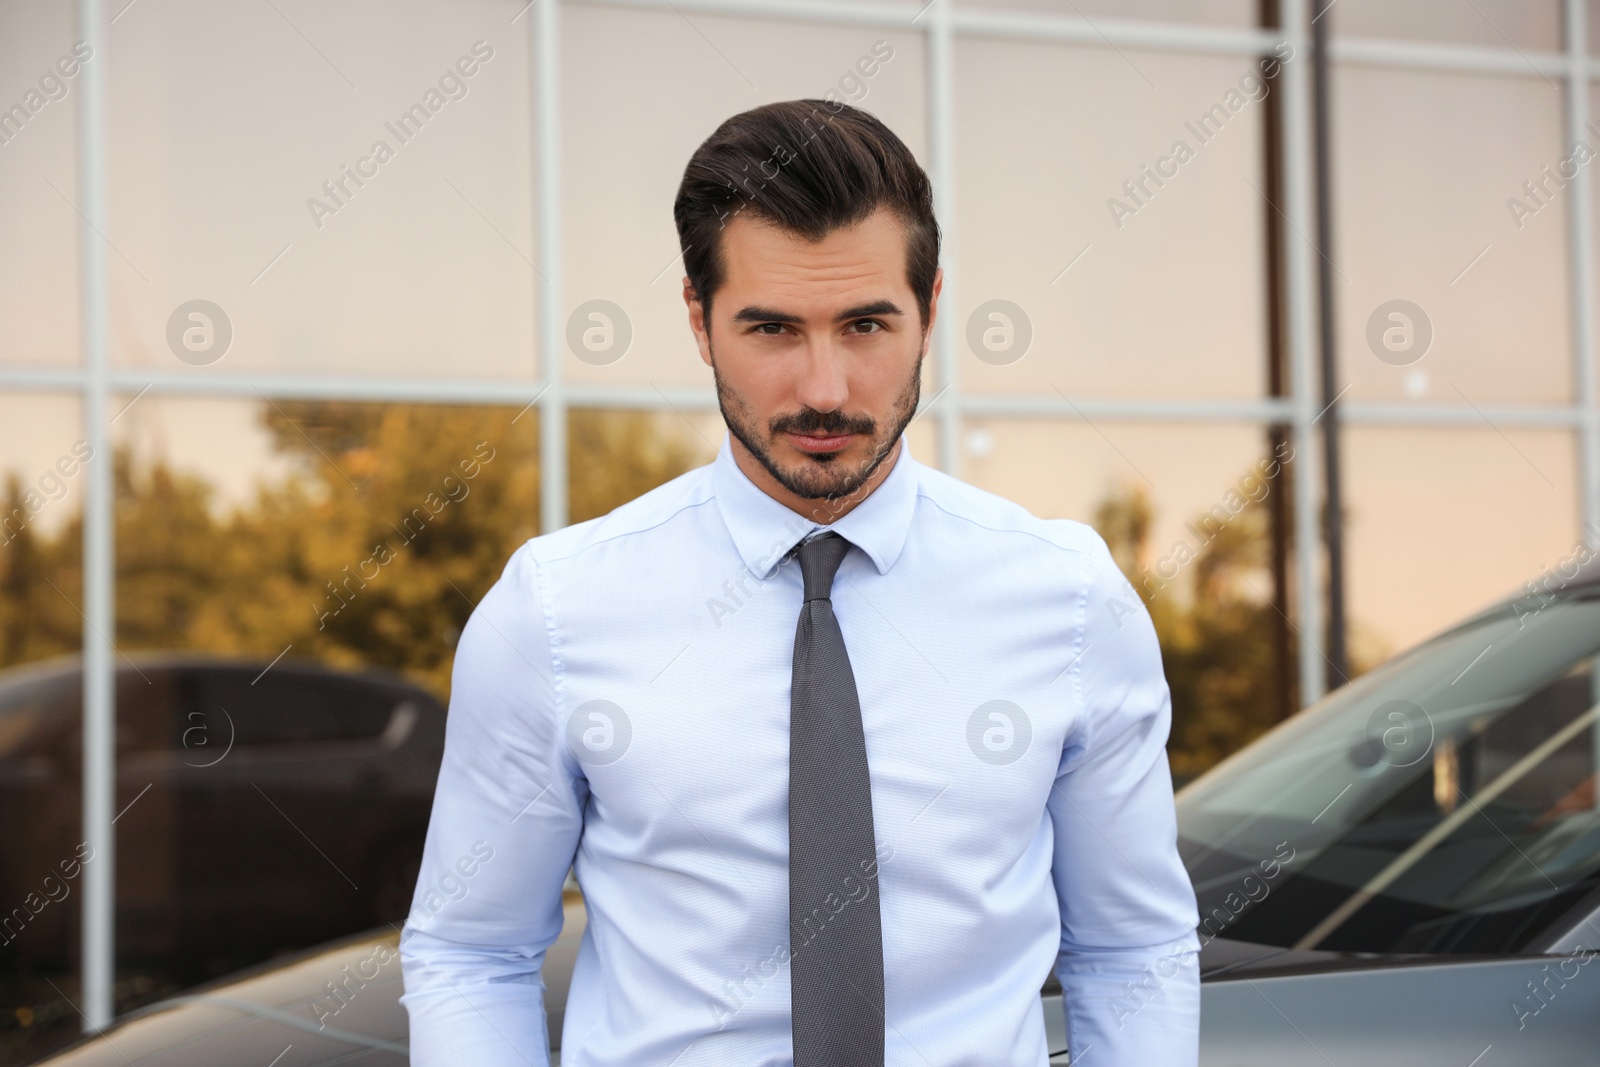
x: 850, y: 272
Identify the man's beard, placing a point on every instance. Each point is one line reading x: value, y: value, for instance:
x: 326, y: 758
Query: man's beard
x: 831, y: 477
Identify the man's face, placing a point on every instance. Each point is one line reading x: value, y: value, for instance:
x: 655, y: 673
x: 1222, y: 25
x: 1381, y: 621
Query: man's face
x: 816, y: 350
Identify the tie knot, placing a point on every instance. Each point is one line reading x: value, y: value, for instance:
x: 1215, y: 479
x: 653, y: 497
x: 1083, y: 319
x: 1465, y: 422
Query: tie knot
x: 820, y: 557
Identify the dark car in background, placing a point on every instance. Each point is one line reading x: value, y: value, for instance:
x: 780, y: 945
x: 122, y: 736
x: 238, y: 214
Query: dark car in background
x: 263, y: 807
x: 1405, y: 873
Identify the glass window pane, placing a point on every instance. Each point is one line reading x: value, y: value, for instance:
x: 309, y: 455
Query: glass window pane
x: 1221, y: 12
x: 1593, y: 141
x: 1066, y: 468
x: 296, y: 706
x: 44, y: 463
x: 1132, y: 285
x: 336, y: 518
x: 1426, y: 216
x: 44, y: 468
x: 230, y: 130
x: 1439, y: 522
x: 292, y: 578
x: 39, y: 183
x: 616, y: 456
x: 1527, y: 24
x: 641, y: 91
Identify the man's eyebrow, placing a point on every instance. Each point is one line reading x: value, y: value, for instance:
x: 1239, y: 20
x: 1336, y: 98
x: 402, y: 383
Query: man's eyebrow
x: 860, y: 311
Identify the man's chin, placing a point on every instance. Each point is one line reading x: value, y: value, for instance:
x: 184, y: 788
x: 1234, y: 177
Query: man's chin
x: 821, y: 475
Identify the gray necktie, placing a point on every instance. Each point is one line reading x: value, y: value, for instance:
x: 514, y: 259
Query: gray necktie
x: 836, y: 942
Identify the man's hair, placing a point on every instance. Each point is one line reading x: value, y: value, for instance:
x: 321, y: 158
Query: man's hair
x: 809, y: 167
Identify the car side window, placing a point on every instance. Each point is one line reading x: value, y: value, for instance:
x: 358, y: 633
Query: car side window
x: 45, y: 716
x: 145, y: 707
x: 289, y: 707
x: 35, y: 712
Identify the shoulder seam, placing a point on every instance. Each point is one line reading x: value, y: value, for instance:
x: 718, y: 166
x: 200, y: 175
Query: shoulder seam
x: 1009, y: 529
x: 579, y: 549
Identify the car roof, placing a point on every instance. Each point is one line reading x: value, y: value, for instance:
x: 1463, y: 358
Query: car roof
x: 71, y: 664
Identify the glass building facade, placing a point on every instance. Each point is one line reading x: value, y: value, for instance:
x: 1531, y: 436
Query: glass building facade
x: 234, y: 232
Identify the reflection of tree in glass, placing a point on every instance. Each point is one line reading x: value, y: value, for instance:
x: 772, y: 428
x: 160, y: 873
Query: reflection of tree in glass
x: 258, y: 580
x: 1215, y: 622
x: 261, y: 578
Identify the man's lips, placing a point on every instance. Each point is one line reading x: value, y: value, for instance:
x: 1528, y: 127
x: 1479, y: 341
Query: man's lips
x: 820, y: 444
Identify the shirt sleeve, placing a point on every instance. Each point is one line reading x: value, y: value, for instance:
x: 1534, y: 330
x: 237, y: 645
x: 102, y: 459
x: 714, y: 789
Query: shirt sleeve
x: 507, y: 817
x: 1128, y: 962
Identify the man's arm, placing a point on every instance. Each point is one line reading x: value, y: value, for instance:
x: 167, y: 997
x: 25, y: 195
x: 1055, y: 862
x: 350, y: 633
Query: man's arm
x: 1128, y: 964
x: 507, y: 816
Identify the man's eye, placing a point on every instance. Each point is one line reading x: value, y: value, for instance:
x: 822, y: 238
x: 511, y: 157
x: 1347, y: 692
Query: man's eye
x: 877, y: 326
x: 775, y: 327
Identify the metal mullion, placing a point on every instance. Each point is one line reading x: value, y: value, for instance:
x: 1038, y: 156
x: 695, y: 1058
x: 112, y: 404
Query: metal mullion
x: 1465, y: 59
x: 98, y: 953
x: 1481, y: 416
x: 825, y: 12
x: 44, y: 379
x: 1019, y: 25
x: 941, y: 151
x: 491, y: 392
x: 545, y: 27
x: 1189, y: 38
x: 500, y: 392
x: 1192, y: 38
x: 1014, y: 25
x: 314, y: 387
x: 1254, y: 410
x: 1301, y: 301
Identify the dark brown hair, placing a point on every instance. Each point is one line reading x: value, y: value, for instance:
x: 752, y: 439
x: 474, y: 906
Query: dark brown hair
x: 810, y: 167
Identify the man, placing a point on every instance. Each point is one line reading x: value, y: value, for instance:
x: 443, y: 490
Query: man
x: 847, y: 755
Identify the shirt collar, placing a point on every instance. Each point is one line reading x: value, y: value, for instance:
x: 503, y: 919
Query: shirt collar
x: 764, y: 530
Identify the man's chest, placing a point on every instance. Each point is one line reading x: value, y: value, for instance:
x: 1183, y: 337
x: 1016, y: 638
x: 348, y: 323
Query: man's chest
x: 677, y: 705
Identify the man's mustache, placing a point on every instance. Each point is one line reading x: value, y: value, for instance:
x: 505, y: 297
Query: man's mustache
x: 818, y: 424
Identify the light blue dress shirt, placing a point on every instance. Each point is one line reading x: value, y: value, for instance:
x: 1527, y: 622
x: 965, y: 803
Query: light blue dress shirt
x: 620, y: 703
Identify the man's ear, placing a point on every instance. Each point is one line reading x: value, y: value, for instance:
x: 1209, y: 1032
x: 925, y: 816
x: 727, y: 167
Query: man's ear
x: 697, y: 321
x: 933, y: 308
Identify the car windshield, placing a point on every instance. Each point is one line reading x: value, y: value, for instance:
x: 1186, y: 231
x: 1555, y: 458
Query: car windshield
x: 1444, y: 802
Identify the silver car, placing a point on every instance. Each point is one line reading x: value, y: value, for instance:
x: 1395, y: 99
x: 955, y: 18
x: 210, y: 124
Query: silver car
x: 1407, y: 872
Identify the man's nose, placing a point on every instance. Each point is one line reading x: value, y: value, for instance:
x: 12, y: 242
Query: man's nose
x: 824, y: 376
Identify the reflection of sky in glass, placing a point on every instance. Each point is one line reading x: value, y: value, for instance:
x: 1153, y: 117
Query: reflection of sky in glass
x: 216, y: 148
x: 1528, y: 24
x: 1427, y: 162
x: 1168, y: 302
